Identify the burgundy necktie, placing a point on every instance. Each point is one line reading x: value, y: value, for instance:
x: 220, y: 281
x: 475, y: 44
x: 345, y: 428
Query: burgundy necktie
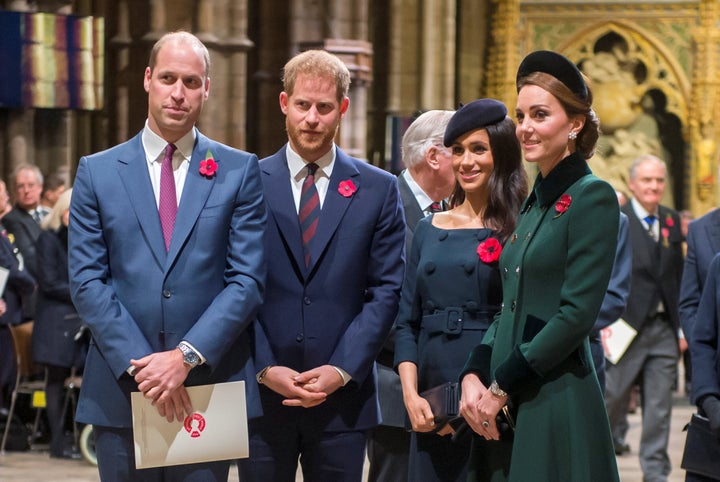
x: 309, y: 212
x: 168, y: 198
x: 435, y: 207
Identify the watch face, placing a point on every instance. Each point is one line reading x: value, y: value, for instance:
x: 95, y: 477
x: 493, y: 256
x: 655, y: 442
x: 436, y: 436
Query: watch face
x: 191, y: 358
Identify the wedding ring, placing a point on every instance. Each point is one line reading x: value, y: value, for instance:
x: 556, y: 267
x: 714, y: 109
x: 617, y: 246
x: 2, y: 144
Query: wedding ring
x: 486, y: 424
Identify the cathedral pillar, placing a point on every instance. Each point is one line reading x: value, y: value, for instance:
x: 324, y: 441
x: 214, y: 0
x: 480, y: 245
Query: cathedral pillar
x: 503, y: 58
x: 704, y: 111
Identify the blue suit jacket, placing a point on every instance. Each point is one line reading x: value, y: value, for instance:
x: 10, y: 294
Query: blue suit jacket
x: 703, y: 242
x: 338, y: 310
x: 618, y: 290
x: 139, y: 299
x: 704, y: 337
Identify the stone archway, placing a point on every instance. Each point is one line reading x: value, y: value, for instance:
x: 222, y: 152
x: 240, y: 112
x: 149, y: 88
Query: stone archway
x: 641, y: 97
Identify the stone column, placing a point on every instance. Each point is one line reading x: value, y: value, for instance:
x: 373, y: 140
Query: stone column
x: 357, y: 56
x: 222, y: 27
x: 437, y: 64
x: 502, y: 59
x: 158, y: 23
x: 704, y: 110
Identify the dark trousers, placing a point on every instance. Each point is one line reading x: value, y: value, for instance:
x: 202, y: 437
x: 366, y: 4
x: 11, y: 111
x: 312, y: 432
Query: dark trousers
x: 439, y: 459
x: 652, y: 356
x: 275, y: 449
x: 55, y: 399
x: 116, y: 462
x: 387, y: 452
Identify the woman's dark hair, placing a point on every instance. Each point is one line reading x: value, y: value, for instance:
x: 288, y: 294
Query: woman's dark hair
x: 508, y: 182
x: 587, y: 138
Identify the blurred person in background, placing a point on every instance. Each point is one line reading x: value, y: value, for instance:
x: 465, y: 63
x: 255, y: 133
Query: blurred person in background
x: 57, y: 323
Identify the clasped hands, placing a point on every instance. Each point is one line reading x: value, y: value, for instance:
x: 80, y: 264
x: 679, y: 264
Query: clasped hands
x: 479, y: 407
x: 306, y: 389
x: 160, y: 377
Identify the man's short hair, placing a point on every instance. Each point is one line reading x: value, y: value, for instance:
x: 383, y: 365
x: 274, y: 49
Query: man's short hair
x: 318, y: 63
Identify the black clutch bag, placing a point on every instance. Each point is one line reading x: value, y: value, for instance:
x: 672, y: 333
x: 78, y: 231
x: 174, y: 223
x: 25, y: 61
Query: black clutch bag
x: 444, y: 402
x: 702, y: 448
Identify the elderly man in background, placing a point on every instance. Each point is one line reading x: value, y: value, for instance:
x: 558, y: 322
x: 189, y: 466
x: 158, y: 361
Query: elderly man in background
x: 424, y: 185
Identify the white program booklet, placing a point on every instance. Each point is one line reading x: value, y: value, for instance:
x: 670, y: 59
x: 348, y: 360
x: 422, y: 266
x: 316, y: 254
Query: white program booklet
x: 616, y: 339
x: 217, y: 429
x: 4, y: 274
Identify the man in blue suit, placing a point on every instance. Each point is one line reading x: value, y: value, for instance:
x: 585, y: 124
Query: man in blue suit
x: 703, y: 243
x: 167, y: 288
x: 336, y: 232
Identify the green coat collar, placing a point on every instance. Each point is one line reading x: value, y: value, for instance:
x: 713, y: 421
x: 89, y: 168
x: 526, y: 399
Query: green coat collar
x: 565, y: 174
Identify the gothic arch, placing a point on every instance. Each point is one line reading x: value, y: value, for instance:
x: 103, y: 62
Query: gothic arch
x: 641, y: 95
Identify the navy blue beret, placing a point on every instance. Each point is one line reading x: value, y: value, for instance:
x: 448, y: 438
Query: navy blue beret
x: 474, y: 115
x: 556, y: 65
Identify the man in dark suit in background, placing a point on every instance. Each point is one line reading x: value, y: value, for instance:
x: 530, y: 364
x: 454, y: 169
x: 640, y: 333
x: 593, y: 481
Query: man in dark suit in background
x: 166, y: 265
x: 335, y: 240
x: 652, y: 309
x: 19, y: 283
x: 23, y: 223
x: 424, y: 186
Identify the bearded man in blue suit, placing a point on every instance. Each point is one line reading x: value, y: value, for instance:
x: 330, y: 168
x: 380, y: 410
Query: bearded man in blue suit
x: 336, y: 232
x: 166, y: 264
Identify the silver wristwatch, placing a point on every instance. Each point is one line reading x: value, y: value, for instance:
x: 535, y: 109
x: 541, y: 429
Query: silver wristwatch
x: 496, y: 390
x: 190, y: 357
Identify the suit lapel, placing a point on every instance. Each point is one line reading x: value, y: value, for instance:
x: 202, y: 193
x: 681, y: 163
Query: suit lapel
x: 413, y: 211
x: 282, y: 204
x: 713, y: 232
x: 195, y: 193
x: 646, y: 256
x: 334, y: 206
x: 133, y: 171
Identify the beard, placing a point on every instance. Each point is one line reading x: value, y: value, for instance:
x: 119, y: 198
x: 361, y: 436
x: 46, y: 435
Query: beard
x: 310, y: 146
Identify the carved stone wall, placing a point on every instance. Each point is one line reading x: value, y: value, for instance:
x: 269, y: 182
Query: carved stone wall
x: 653, y: 70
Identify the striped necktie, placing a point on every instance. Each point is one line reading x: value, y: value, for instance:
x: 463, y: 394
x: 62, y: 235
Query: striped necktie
x: 309, y: 211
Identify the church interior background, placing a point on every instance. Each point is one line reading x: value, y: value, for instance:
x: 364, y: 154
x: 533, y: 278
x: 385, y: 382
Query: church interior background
x: 653, y: 67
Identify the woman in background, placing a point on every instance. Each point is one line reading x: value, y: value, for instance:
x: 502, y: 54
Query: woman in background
x: 56, y: 321
x: 452, y: 285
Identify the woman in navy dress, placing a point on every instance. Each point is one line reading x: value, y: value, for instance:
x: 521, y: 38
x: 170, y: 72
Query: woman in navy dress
x: 56, y: 321
x: 452, y: 285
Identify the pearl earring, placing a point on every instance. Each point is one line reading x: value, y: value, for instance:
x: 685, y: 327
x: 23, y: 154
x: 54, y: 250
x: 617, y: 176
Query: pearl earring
x: 572, y: 136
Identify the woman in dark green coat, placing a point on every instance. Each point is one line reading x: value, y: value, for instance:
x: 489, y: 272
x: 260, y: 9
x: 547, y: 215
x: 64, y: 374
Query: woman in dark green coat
x: 555, y: 270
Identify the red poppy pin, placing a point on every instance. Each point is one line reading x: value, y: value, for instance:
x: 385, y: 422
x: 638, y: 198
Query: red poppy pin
x: 562, y: 205
x: 347, y: 188
x: 665, y: 233
x: 208, y: 166
x: 489, y: 250
x: 669, y: 221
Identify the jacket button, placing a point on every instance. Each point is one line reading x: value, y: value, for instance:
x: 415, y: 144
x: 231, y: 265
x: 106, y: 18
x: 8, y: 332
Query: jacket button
x: 299, y: 338
x: 167, y: 293
x: 306, y: 300
x: 512, y: 306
